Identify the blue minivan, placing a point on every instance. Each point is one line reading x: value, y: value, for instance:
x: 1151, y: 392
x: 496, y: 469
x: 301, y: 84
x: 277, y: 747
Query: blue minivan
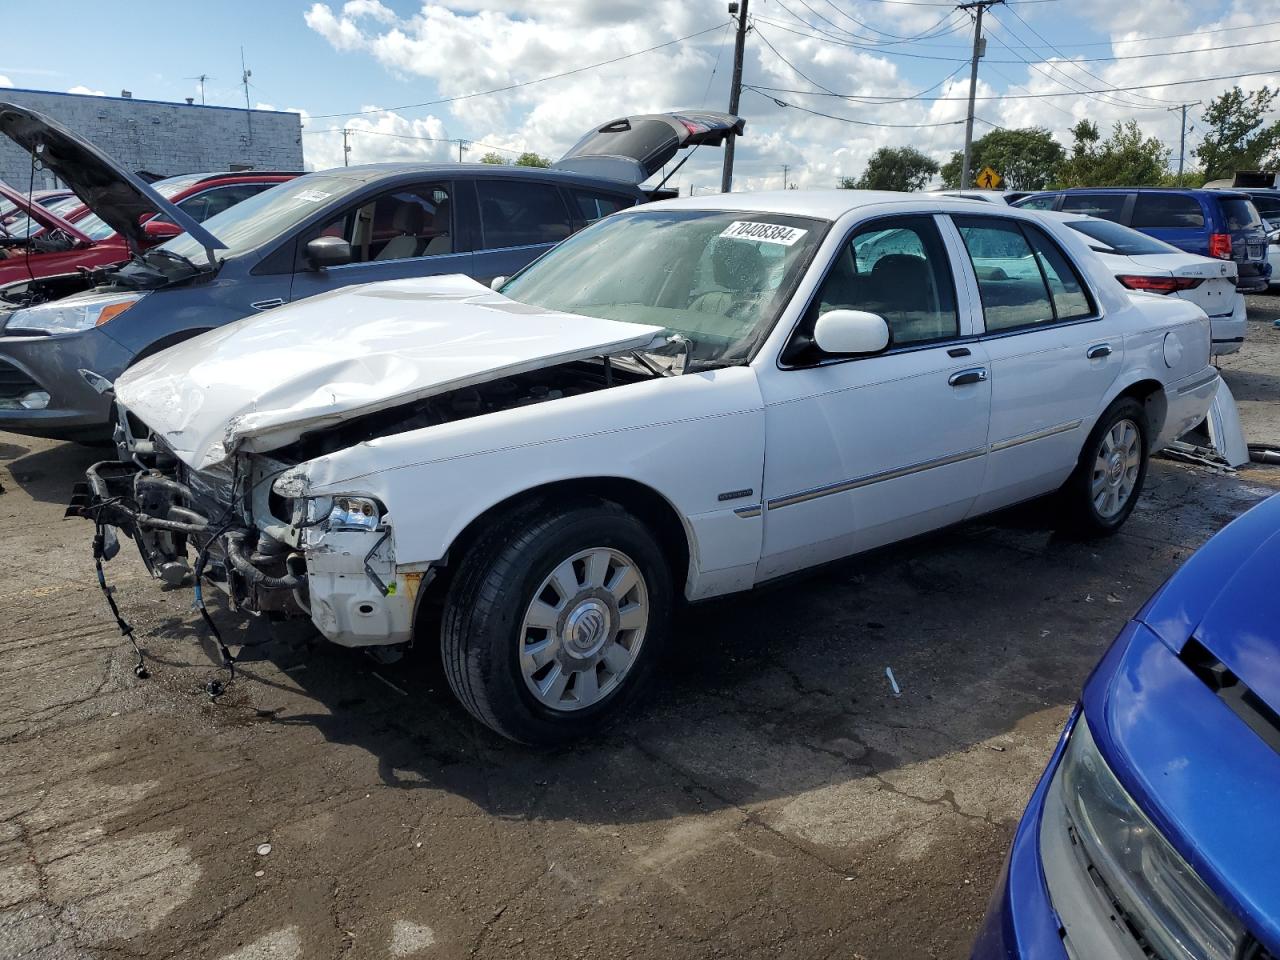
x: 1213, y: 223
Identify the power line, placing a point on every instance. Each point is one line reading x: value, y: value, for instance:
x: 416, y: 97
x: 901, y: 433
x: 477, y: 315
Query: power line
x: 860, y: 123
x: 523, y: 83
x: 1037, y: 96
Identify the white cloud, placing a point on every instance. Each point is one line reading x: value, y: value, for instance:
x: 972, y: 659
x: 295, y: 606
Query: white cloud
x: 86, y: 91
x: 467, y: 46
x: 5, y: 81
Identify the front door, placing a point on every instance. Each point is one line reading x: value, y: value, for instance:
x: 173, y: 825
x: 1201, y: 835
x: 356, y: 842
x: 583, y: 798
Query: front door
x: 406, y: 232
x: 1052, y: 357
x: 862, y: 451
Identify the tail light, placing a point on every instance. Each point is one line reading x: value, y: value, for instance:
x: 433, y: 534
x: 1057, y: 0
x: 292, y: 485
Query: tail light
x: 1220, y: 245
x: 1161, y: 284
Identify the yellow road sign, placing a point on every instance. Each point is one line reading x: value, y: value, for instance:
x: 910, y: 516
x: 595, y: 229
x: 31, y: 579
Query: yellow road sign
x: 988, y: 179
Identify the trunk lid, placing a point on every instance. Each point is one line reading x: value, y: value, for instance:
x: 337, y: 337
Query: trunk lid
x: 1215, y: 295
x: 262, y: 382
x: 119, y: 197
x: 633, y: 149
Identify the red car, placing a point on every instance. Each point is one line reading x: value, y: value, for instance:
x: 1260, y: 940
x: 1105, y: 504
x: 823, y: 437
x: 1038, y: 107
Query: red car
x: 79, y: 238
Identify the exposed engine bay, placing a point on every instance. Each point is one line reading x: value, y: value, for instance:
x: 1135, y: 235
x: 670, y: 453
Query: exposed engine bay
x: 227, y: 526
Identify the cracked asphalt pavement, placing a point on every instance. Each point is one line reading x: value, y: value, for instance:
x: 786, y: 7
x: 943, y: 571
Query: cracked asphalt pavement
x: 773, y: 797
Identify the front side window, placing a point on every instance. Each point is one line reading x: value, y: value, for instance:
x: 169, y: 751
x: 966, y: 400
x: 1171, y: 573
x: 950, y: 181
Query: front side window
x: 398, y: 225
x: 520, y: 213
x: 1023, y: 278
x: 897, y: 269
x: 1108, y: 206
x: 720, y: 278
x: 1175, y: 211
x: 1039, y: 203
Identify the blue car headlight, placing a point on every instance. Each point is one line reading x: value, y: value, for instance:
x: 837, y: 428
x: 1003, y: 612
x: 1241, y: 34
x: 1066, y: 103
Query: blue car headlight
x: 1162, y: 899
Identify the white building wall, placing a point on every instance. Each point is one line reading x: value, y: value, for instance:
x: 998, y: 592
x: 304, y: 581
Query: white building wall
x: 161, y: 137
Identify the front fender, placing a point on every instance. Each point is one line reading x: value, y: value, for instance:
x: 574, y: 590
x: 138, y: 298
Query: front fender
x: 692, y: 440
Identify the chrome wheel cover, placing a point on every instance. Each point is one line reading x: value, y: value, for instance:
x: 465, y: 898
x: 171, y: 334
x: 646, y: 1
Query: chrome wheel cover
x: 1116, y: 466
x: 583, y: 629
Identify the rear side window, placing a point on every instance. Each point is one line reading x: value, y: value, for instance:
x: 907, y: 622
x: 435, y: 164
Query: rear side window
x: 1239, y: 213
x: 1023, y: 278
x: 1039, y: 203
x: 590, y: 206
x: 1108, y: 206
x: 520, y: 213
x: 1175, y: 211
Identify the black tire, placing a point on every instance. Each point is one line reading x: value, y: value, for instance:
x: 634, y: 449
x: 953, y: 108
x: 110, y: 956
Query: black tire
x: 1081, y: 516
x: 481, y: 630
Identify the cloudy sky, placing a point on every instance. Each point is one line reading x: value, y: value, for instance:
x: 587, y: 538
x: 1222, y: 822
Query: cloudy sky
x: 829, y: 80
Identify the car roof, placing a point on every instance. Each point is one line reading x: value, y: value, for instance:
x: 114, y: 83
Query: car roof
x: 372, y: 172
x: 1193, y: 190
x: 824, y: 204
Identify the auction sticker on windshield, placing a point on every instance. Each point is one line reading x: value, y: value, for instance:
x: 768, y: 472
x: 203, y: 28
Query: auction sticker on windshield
x: 763, y: 232
x: 312, y: 196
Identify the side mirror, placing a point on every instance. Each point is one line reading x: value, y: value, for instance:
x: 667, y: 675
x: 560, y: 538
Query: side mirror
x: 325, y: 252
x: 157, y: 230
x: 851, y: 332
x: 497, y: 282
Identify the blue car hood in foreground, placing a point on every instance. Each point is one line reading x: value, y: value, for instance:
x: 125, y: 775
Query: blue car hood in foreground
x: 1184, y: 708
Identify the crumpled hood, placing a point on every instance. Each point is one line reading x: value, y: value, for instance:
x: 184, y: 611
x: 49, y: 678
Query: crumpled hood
x: 260, y: 383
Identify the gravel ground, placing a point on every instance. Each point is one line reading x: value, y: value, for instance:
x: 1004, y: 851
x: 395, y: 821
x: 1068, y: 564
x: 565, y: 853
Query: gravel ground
x: 772, y: 798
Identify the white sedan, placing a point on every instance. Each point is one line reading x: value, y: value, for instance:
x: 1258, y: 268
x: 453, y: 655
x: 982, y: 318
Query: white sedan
x: 1148, y: 265
x: 684, y: 400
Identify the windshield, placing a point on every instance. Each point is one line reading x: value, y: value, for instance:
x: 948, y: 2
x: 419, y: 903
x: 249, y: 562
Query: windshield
x: 264, y: 217
x: 718, y: 278
x: 1118, y: 239
x: 18, y: 224
x: 95, y: 228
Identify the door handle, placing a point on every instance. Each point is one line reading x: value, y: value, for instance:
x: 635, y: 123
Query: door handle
x: 964, y: 377
x: 1098, y: 351
x: 268, y: 304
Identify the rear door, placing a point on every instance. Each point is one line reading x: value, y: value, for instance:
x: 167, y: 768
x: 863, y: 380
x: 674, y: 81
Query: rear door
x: 405, y: 231
x: 1176, y: 218
x: 1052, y: 357
x: 1114, y: 206
x: 519, y: 220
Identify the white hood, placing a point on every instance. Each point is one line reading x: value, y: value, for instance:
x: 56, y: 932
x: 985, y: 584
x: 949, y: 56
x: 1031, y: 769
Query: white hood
x: 260, y: 383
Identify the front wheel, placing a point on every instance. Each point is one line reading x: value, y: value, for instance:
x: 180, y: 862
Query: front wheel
x: 555, y: 619
x: 1103, y: 489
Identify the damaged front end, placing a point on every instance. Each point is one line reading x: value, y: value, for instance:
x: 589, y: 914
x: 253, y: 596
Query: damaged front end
x: 330, y: 559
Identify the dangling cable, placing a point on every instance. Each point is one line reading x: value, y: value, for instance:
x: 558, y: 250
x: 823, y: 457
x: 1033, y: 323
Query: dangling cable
x: 99, y: 543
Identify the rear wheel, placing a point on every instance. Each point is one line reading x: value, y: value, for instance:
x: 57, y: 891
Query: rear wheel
x: 555, y: 619
x: 1103, y: 489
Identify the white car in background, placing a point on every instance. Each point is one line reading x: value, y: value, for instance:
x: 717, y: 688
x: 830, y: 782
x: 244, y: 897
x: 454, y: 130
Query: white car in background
x: 681, y: 401
x: 1148, y: 265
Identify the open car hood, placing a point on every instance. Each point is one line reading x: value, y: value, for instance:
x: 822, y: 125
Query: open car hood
x: 262, y: 382
x: 119, y: 197
x: 633, y: 149
x: 41, y: 215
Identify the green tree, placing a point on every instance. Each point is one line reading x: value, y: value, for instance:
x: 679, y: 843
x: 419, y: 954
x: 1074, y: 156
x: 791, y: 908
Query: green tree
x: 897, y: 168
x: 493, y: 158
x: 1027, y: 158
x: 1239, y: 137
x: 1124, y: 159
x: 530, y: 159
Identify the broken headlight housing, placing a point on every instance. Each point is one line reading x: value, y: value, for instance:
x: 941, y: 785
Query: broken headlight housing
x: 354, y: 513
x: 1164, y: 903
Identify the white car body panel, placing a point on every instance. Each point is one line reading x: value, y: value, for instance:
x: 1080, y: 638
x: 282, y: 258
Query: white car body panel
x: 261, y: 382
x: 768, y: 469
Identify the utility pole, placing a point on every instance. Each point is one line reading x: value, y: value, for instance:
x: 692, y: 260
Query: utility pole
x: 979, y: 51
x: 346, y: 148
x: 735, y: 90
x: 1182, y: 140
x: 785, y: 168
x: 245, y: 74
x: 462, y: 145
x: 202, y: 78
